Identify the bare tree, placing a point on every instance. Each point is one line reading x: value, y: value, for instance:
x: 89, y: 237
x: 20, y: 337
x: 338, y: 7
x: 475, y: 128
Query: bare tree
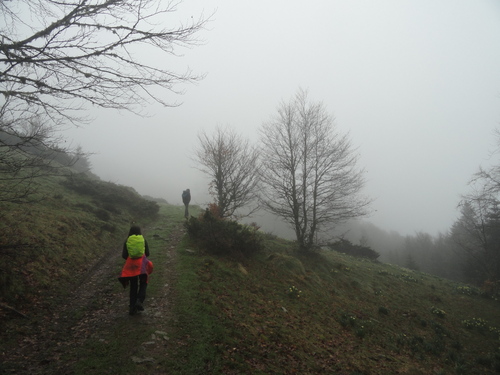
x: 57, y: 56
x: 232, y: 165
x: 309, y: 170
x: 486, y: 182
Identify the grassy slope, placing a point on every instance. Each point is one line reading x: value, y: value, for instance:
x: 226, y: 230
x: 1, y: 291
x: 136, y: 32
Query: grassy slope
x: 352, y: 316
x: 47, y: 245
x: 63, y: 236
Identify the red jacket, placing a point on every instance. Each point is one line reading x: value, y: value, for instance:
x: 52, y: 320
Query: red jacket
x: 135, y: 267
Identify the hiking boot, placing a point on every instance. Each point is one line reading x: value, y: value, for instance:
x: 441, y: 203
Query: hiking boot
x: 138, y: 306
x: 132, y: 310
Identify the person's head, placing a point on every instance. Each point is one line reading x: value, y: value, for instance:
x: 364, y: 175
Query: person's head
x: 134, y: 230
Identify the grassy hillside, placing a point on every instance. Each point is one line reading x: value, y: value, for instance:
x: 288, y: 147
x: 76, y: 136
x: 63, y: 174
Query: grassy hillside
x: 273, y: 313
x: 330, y: 313
x: 72, y: 223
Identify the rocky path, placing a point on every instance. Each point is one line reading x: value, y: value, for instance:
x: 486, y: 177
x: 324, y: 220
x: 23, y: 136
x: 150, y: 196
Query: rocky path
x: 49, y: 341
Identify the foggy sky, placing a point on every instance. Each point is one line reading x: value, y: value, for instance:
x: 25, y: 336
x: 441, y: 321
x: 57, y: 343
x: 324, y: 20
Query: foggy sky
x: 415, y: 83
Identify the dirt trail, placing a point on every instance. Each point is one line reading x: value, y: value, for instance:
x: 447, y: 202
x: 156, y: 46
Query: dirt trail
x: 94, y: 307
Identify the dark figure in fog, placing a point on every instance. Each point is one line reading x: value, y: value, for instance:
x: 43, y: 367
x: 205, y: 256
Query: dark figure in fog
x: 186, y: 198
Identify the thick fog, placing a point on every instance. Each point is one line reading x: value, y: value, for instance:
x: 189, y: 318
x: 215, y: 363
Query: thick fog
x: 415, y: 83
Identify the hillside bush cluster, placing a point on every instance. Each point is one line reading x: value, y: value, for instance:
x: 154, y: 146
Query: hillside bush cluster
x: 347, y: 247
x: 112, y: 197
x: 222, y: 236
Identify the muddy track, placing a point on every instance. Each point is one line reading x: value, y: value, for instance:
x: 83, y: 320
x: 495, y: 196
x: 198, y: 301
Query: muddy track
x: 92, y: 308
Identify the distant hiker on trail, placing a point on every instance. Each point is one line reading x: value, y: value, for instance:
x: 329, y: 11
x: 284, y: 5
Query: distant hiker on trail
x: 186, y: 198
x: 137, y: 268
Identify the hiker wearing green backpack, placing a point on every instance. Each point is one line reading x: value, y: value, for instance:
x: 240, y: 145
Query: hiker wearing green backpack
x: 137, y: 268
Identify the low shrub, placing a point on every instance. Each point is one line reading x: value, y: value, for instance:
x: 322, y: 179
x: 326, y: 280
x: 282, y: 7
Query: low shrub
x: 112, y: 197
x: 346, y: 247
x: 383, y: 310
x: 221, y: 236
x: 293, y: 292
x: 102, y: 214
x: 438, y: 312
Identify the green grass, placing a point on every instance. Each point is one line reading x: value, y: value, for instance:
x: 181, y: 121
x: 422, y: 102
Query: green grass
x: 351, y: 317
x: 58, y: 236
x: 274, y: 313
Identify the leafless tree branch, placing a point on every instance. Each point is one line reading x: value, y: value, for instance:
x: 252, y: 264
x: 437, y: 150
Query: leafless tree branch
x: 57, y: 56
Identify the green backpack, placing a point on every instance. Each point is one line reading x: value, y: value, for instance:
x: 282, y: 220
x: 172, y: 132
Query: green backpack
x: 136, y: 246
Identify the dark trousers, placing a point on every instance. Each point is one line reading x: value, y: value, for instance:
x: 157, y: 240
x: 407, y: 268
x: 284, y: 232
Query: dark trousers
x: 138, y: 285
